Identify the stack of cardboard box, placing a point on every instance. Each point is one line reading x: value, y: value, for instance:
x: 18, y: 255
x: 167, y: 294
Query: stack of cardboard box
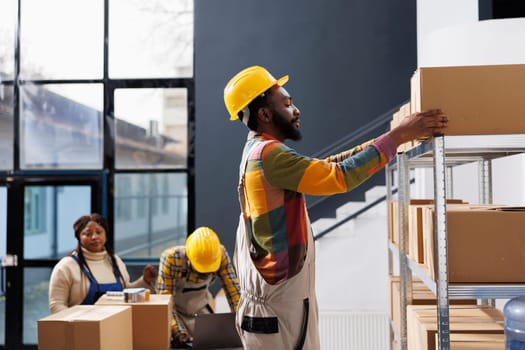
x: 476, y: 321
x: 150, y: 320
x: 421, y: 295
x: 485, y: 243
x: 110, y: 324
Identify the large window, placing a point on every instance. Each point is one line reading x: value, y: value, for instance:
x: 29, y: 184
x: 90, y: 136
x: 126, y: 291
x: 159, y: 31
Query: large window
x: 35, y: 207
x: 147, y: 224
x: 150, y: 38
x: 151, y: 128
x: 66, y: 43
x: 60, y: 128
x: 8, y: 10
x: 6, y: 124
x: 49, y: 213
x: 96, y: 114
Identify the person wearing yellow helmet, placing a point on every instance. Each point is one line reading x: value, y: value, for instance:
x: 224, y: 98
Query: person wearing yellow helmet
x: 274, y: 254
x: 186, y: 272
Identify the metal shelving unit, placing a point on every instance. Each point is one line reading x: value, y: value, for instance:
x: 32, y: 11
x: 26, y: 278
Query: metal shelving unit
x: 442, y: 153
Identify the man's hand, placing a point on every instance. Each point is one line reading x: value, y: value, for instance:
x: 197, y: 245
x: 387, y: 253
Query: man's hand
x: 149, y: 274
x: 418, y: 125
x: 182, y: 341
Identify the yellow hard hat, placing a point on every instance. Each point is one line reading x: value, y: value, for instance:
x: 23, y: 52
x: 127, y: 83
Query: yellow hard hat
x: 245, y: 86
x: 203, y: 249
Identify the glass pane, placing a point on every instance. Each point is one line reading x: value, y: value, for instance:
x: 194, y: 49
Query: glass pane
x: 36, y: 302
x: 6, y: 126
x: 152, y: 128
x: 150, y: 38
x: 65, y: 43
x: 151, y: 213
x: 8, y: 14
x: 49, y: 214
x: 3, y: 229
x: 61, y: 126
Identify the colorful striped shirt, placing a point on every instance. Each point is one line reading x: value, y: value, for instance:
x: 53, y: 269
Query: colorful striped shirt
x: 174, y: 266
x: 276, y: 177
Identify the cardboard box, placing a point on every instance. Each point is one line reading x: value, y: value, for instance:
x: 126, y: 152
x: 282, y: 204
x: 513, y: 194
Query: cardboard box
x: 86, y: 327
x: 394, y: 215
x: 150, y: 320
x: 471, y: 341
x: 415, y: 226
x: 415, y: 239
x: 485, y: 244
x: 421, y: 295
x: 422, y: 323
x: 478, y: 100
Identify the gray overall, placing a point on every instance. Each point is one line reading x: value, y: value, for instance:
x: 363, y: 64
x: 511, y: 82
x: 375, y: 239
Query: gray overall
x: 275, y: 317
x: 191, y: 298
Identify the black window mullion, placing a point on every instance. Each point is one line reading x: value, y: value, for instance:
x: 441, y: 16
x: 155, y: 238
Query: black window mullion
x: 14, y: 275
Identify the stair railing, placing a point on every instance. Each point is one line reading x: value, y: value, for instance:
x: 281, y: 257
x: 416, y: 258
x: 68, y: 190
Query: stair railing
x: 380, y: 122
x: 355, y: 215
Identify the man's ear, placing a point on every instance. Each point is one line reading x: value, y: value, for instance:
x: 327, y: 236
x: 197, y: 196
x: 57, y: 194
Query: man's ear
x: 264, y: 115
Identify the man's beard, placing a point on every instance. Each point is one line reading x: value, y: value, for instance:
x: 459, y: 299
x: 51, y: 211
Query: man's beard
x: 287, y: 127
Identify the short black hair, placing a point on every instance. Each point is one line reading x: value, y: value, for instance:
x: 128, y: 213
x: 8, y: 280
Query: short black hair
x: 258, y: 102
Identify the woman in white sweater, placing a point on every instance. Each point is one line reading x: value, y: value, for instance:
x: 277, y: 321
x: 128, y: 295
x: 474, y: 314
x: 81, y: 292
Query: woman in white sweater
x: 91, y: 269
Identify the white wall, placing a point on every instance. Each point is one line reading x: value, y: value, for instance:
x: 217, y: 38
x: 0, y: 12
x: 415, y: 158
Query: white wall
x: 450, y: 34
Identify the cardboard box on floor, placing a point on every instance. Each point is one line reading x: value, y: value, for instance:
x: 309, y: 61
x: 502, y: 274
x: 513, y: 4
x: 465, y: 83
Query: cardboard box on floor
x: 150, y: 320
x: 422, y: 323
x: 86, y: 327
x: 478, y: 100
x: 485, y: 244
x: 471, y: 341
x: 421, y: 295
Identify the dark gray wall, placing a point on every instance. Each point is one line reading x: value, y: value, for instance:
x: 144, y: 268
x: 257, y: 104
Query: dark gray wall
x: 349, y: 61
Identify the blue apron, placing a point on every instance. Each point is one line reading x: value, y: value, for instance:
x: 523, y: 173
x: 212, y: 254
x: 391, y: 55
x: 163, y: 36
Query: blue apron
x: 97, y: 289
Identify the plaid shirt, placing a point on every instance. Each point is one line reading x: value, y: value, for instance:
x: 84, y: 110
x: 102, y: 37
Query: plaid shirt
x: 174, y: 266
x: 276, y: 177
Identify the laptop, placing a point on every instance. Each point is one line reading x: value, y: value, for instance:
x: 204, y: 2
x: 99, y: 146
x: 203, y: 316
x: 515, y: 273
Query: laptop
x: 216, y: 331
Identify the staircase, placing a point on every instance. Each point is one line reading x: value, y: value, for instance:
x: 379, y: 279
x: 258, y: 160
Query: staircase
x: 352, y: 256
x: 325, y: 207
x: 352, y: 276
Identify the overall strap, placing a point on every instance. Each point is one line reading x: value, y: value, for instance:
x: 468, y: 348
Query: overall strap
x: 249, y: 149
x: 180, y: 282
x: 88, y: 273
x: 84, y: 269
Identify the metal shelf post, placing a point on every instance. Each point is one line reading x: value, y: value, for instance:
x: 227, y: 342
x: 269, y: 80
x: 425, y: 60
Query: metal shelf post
x: 405, y: 280
x: 441, y: 242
